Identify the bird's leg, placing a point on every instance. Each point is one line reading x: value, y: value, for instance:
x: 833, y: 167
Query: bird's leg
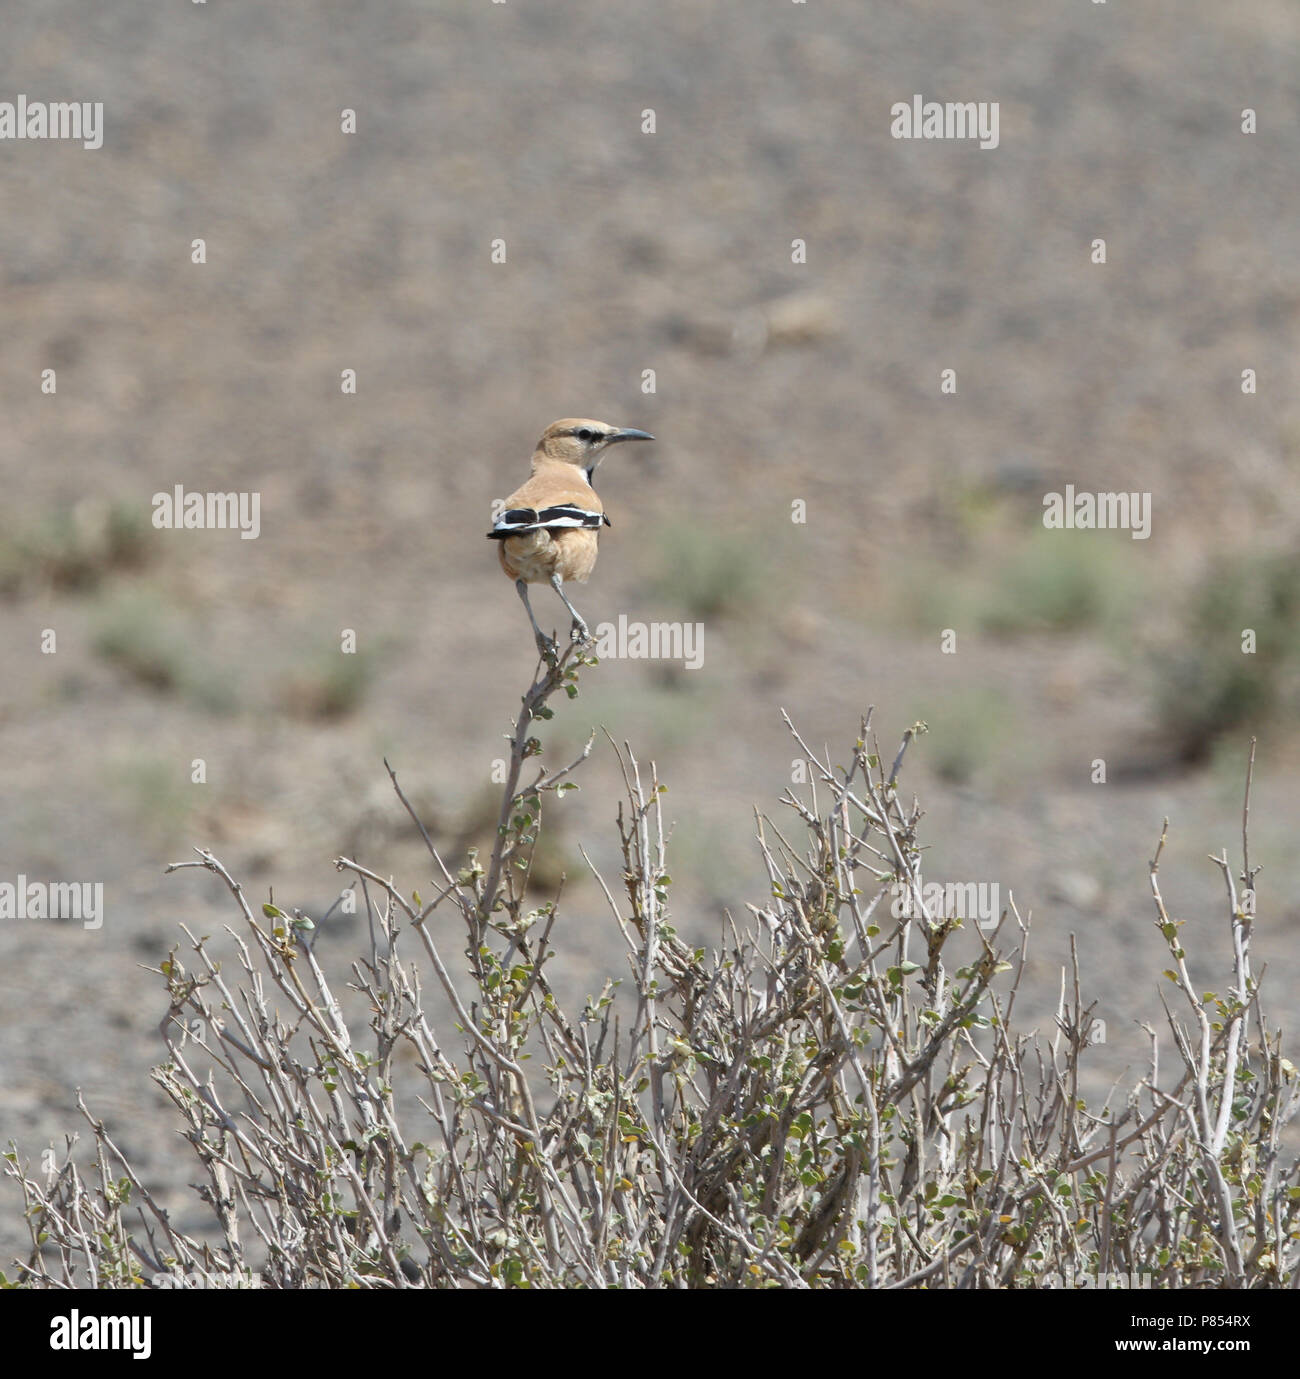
x: 579, y: 631
x: 545, y: 645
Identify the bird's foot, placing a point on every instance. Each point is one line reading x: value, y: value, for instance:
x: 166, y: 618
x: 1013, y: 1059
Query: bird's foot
x: 546, y: 647
x: 579, y: 633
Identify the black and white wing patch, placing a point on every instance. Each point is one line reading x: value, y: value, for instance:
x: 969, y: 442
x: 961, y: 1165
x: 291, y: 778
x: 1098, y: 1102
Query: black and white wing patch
x: 562, y: 517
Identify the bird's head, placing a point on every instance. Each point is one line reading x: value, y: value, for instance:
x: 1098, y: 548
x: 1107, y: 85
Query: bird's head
x: 582, y: 442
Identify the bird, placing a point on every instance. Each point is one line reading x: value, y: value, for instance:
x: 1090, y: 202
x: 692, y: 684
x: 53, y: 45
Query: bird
x: 548, y: 526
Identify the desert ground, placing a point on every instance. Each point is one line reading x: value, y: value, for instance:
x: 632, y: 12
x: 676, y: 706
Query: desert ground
x: 848, y: 535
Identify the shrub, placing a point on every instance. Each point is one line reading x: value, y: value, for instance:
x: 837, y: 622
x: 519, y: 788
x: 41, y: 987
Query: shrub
x: 74, y: 549
x: 138, y: 633
x: 1060, y: 582
x: 829, y: 1098
x: 1205, y: 683
x: 711, y: 574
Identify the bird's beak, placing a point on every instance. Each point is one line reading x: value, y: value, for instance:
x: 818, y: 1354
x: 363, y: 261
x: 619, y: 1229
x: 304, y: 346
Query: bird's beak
x: 628, y: 433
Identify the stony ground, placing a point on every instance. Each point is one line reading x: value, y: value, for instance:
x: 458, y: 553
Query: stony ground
x: 776, y: 384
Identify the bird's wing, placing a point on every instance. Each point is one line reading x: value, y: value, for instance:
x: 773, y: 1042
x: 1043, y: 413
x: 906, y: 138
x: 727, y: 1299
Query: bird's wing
x: 570, y: 515
x: 554, y: 499
x: 557, y: 517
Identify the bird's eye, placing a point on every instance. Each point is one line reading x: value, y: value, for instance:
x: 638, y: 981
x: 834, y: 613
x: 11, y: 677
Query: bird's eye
x: 584, y: 434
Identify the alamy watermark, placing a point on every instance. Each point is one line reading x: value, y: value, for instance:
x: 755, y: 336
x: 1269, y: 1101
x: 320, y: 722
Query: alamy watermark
x: 179, y: 510
x: 24, y: 119
x: 1069, y: 1279
x: 1083, y: 511
x: 977, y: 900
x: 82, y: 901
x: 76, y: 1330
x: 922, y: 119
x: 651, y: 641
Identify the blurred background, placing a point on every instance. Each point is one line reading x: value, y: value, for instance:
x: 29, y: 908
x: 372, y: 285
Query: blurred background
x: 776, y: 384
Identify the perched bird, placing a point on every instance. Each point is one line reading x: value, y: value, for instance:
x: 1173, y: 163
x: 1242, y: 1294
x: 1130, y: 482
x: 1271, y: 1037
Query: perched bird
x: 548, y: 527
